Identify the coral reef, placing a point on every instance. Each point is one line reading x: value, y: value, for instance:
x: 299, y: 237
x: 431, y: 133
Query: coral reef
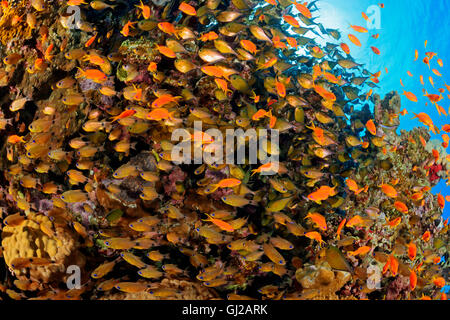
x: 89, y: 178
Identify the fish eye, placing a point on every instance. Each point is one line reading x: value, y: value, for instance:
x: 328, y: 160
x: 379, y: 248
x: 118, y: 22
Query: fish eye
x: 280, y: 262
x: 107, y: 243
x: 140, y: 272
x: 206, y: 283
x: 78, y: 153
x: 118, y: 287
x: 200, y: 277
x: 131, y: 225
x: 197, y: 229
x: 95, y: 275
x: 151, y: 292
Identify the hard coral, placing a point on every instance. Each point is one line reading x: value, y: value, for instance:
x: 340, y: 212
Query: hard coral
x: 321, y: 282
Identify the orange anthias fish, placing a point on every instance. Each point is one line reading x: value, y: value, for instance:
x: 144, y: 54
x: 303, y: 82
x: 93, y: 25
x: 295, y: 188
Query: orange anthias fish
x: 209, y: 36
x: 345, y: 48
x: 164, y: 100
x: 160, y: 114
x: 93, y: 74
x: 281, y: 89
x: 167, y: 27
x: 225, y: 226
x: 376, y: 50
x: 394, y: 222
x: 353, y: 186
x: 354, y: 40
x: 412, y: 251
x: 292, y: 21
x: 126, y: 28
x: 354, y: 221
x: 426, y: 236
x: 124, y: 114
x: 424, y: 118
x: 411, y: 96
x: 145, y: 10
x: 370, y: 126
x: 340, y: 227
x: 441, y: 201
x: 314, y: 235
x: 166, y: 51
x: 272, y: 2
x: 439, y: 282
x: 359, y: 29
x: 318, y: 219
x: 360, y: 251
x: 187, y: 9
x: 412, y: 279
x: 393, y: 265
x: 249, y: 46
x: 389, y: 190
x: 303, y: 9
x: 400, y: 206
x: 90, y: 40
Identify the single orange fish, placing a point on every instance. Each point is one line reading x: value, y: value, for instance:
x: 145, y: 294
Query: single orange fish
x: 345, y: 48
x: 359, y: 29
x: 303, y: 9
x: 412, y: 251
x: 354, y: 221
x: 90, y: 41
x: 124, y: 114
x: 426, y: 236
x: 339, y: 229
x: 314, y: 235
x: 292, y: 21
x: 318, y: 219
x: 354, y: 40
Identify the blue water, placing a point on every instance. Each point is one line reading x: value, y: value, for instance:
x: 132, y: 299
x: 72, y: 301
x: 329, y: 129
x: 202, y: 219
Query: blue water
x: 404, y: 26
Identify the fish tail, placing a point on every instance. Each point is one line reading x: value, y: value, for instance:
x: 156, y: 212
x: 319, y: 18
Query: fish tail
x: 81, y: 73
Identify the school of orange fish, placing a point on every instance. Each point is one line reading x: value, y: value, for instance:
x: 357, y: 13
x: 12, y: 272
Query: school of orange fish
x: 95, y: 155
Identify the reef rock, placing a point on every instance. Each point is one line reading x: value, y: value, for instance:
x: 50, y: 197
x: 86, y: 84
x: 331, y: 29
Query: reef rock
x: 321, y: 282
